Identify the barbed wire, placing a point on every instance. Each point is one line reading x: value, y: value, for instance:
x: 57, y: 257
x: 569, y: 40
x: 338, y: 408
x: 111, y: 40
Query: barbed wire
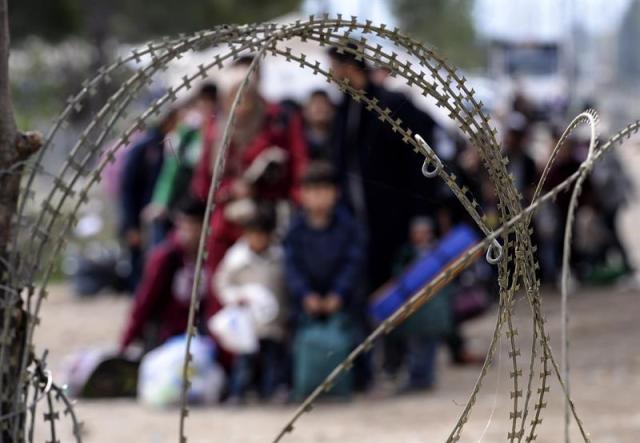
x: 43, y: 387
x: 213, y: 188
x: 384, y: 116
x: 446, y: 275
x: 509, y: 246
x: 592, y: 119
x: 79, y: 168
x: 67, y: 191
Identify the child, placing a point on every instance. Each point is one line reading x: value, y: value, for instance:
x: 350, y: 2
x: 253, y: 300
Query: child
x: 324, y: 248
x: 318, y: 115
x: 324, y: 255
x: 421, y: 239
x: 164, y: 294
x: 255, y: 261
x: 420, y: 352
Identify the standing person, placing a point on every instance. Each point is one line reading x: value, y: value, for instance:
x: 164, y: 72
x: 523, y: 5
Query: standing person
x: 324, y: 257
x: 380, y: 174
x: 612, y: 189
x: 265, y: 159
x: 521, y: 164
x: 181, y: 159
x: 421, y: 351
x: 141, y: 169
x: 161, y: 306
x: 550, y: 219
x: 446, y: 218
x: 318, y: 115
x: 255, y: 265
x: 324, y: 248
x: 396, y: 347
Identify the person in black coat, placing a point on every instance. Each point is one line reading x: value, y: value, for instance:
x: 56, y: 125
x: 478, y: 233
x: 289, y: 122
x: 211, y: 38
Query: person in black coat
x: 138, y: 178
x: 380, y: 174
x: 521, y: 164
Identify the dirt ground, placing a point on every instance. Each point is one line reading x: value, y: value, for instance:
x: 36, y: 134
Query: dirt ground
x: 605, y: 365
x: 605, y: 361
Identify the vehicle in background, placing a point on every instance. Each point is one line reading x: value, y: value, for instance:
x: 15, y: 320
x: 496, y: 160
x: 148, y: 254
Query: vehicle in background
x: 537, y: 70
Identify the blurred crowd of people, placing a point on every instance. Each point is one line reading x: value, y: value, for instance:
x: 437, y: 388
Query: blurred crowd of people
x: 320, y: 205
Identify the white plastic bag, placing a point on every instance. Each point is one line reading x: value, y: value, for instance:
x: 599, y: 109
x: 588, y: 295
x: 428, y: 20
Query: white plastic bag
x: 235, y: 329
x: 160, y: 375
x: 261, y: 303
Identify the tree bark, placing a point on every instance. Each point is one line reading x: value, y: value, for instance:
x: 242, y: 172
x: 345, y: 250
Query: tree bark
x: 15, y: 148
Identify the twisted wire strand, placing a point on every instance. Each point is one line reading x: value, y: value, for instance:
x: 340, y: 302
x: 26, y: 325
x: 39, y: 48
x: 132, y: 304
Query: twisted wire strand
x: 428, y: 291
x: 566, y: 255
x: 60, y: 243
x: 384, y: 116
x: 30, y: 323
x: 213, y: 187
x: 474, y: 123
x: 144, y: 74
x: 95, y: 177
x: 44, y: 388
x: 534, y: 301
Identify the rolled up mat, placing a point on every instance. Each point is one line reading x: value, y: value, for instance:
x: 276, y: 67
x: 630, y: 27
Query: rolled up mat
x: 393, y: 295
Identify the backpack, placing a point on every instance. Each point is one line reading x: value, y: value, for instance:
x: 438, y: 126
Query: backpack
x: 100, y: 373
x: 318, y: 347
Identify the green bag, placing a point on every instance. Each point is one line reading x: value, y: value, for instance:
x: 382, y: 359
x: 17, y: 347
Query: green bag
x: 318, y: 347
x: 431, y: 320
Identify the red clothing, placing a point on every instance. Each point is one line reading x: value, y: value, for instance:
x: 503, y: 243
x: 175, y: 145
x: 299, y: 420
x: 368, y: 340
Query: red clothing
x: 164, y: 293
x: 280, y: 130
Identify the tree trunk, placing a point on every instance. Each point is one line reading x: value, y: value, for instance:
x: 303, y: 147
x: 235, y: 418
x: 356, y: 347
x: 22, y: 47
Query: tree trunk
x: 15, y: 148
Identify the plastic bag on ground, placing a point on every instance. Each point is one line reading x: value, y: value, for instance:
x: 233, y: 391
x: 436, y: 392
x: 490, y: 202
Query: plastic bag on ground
x: 160, y: 376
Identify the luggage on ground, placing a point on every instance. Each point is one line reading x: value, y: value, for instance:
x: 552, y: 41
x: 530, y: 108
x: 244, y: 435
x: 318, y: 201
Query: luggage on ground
x: 319, y: 346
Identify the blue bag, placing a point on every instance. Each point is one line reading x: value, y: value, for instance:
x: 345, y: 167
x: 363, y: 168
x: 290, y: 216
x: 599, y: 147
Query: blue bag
x: 458, y: 240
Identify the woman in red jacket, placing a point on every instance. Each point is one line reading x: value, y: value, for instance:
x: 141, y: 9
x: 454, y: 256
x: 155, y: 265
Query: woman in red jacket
x: 265, y: 160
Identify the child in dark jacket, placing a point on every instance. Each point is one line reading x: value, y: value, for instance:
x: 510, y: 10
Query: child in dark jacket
x: 324, y: 248
x: 164, y: 294
x: 324, y: 257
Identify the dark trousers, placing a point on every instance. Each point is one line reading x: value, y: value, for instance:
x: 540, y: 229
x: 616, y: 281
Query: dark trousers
x: 421, y: 359
x: 136, y: 262
x: 267, y: 368
x: 609, y: 218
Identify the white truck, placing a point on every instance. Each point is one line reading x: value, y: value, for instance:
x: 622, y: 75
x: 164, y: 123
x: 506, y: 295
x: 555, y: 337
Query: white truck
x: 536, y: 69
